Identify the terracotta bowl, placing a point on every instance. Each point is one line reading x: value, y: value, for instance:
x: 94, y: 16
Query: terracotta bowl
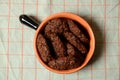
x: 77, y: 19
x: 29, y: 22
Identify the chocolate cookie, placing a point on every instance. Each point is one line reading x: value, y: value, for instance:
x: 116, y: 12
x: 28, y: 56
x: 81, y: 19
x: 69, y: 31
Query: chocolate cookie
x: 43, y: 48
x: 56, y: 26
x: 75, y: 41
x: 57, y: 44
x: 65, y: 63
x: 77, y: 32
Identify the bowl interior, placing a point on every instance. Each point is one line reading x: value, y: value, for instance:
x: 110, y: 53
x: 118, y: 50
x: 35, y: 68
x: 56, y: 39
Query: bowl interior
x: 80, y: 21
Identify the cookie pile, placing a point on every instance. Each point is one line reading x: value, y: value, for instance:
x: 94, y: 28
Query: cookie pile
x: 63, y: 44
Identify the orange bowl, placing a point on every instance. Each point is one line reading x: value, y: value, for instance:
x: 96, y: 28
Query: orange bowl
x: 80, y: 21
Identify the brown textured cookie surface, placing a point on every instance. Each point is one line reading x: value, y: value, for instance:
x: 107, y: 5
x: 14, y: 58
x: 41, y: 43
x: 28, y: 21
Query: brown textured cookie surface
x: 43, y: 48
x: 62, y: 44
x: 58, y: 45
x: 65, y: 63
x: 75, y: 41
x: 56, y: 26
x: 77, y: 32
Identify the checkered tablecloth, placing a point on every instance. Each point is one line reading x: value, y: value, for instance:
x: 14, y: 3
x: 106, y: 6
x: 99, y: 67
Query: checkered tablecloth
x: 17, y: 56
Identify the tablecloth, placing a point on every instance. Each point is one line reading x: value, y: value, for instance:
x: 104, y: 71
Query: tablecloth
x: 17, y: 56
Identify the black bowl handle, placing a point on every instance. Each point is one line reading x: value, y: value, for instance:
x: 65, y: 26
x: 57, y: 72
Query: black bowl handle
x: 28, y: 21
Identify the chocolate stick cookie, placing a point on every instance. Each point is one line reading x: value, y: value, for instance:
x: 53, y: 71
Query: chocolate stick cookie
x: 75, y: 41
x: 77, y: 32
x: 43, y: 48
x: 57, y: 44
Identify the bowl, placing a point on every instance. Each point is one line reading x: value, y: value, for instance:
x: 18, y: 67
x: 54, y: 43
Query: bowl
x: 81, y: 21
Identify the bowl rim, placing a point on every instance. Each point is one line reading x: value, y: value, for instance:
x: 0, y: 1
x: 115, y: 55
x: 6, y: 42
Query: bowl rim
x: 79, y: 20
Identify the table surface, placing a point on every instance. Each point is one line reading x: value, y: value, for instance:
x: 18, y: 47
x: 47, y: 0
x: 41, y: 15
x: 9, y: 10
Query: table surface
x: 17, y: 56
